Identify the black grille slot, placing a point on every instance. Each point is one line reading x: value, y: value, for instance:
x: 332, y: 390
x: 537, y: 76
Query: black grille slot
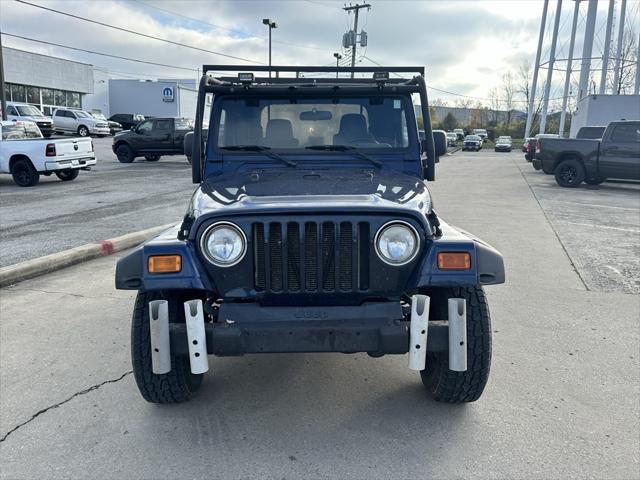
x: 328, y: 256
x: 311, y: 256
x: 275, y: 256
x: 258, y: 242
x: 345, y: 265
x: 293, y: 256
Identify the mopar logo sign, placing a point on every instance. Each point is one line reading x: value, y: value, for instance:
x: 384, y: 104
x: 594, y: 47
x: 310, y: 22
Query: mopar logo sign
x: 167, y: 94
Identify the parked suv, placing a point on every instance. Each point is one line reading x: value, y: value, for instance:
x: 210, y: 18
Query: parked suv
x: 151, y: 139
x: 312, y: 230
x: 28, y: 113
x: 79, y: 122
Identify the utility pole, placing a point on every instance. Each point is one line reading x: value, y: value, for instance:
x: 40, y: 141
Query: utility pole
x: 552, y: 59
x: 534, y: 83
x: 3, y: 97
x: 616, y: 72
x: 636, y: 88
x: 587, y: 48
x: 356, y: 9
x: 567, y: 80
x: 607, y: 47
x: 271, y: 25
x: 338, y: 58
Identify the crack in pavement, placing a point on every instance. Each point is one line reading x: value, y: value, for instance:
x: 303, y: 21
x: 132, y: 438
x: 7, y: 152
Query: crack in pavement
x: 56, y: 405
x: 553, y: 228
x: 51, y: 292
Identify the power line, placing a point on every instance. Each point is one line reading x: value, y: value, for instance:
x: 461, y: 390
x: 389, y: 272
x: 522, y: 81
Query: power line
x: 99, y: 53
x: 77, y: 17
x: 232, y: 30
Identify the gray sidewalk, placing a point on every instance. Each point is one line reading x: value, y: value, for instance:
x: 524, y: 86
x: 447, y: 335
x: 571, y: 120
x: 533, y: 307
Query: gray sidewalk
x: 561, y: 400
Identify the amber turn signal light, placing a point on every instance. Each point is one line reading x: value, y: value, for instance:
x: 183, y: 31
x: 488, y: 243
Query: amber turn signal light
x: 454, y: 261
x: 165, y: 264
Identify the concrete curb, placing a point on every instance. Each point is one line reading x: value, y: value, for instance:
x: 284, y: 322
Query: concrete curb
x: 49, y: 263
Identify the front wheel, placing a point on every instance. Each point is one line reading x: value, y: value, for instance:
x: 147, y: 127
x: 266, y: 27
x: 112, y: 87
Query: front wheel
x: 459, y: 387
x: 569, y: 173
x: 125, y: 153
x: 68, y: 174
x: 24, y: 174
x: 179, y: 384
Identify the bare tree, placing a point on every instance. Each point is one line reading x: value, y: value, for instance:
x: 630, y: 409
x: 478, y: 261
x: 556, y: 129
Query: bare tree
x: 628, y: 59
x: 439, y: 102
x: 508, y: 94
x: 524, y: 81
x: 463, y: 102
x: 494, y: 101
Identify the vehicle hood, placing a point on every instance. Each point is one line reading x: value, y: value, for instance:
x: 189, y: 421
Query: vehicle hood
x: 298, y: 189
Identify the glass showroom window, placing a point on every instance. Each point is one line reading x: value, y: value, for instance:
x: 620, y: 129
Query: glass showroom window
x: 33, y: 95
x: 47, y: 96
x: 18, y: 93
x: 7, y: 91
x: 73, y: 100
x: 60, y: 98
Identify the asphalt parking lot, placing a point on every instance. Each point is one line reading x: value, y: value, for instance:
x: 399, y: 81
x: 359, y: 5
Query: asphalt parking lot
x: 112, y: 199
x: 562, y: 398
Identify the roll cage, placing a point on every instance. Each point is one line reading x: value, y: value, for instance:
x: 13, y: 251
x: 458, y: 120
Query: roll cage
x: 379, y: 82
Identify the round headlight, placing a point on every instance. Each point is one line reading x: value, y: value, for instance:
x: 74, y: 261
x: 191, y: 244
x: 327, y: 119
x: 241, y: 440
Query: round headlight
x: 224, y: 244
x: 397, y: 243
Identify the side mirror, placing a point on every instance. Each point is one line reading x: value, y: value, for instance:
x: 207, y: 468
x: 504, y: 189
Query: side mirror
x: 440, y: 141
x: 188, y: 144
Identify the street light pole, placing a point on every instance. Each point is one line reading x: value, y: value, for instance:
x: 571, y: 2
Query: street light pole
x: 271, y: 25
x: 3, y: 99
x: 338, y: 58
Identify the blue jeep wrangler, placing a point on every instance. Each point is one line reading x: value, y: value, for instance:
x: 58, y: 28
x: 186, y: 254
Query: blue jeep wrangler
x: 312, y: 230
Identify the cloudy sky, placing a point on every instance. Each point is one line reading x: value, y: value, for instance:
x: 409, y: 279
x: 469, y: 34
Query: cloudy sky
x: 465, y: 45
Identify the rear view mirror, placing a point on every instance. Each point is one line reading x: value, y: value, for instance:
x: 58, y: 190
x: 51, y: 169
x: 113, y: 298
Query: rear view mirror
x: 440, y: 142
x: 315, y: 115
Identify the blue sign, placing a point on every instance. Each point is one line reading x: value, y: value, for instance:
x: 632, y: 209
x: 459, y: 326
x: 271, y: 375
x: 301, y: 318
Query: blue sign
x: 167, y: 94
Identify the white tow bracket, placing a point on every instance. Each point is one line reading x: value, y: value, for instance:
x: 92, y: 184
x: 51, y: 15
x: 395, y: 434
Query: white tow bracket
x: 418, y: 330
x: 194, y: 317
x: 457, y: 335
x: 159, y: 333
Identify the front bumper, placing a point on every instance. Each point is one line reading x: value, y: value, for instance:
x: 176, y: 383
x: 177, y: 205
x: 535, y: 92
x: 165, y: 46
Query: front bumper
x: 46, y: 128
x: 71, y: 163
x: 99, y: 131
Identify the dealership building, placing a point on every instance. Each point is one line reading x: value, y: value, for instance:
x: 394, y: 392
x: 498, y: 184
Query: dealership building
x: 50, y: 82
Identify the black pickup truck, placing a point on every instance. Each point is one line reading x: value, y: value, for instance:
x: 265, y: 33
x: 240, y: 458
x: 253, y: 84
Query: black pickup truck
x: 573, y: 161
x: 151, y: 139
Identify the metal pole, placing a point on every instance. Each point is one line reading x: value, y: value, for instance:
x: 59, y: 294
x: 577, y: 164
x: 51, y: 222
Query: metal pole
x: 607, y: 48
x: 552, y: 59
x: 587, y: 48
x: 636, y: 89
x: 534, y: 83
x: 567, y: 80
x: 3, y: 97
x: 270, y: 50
x: 616, y: 73
x: 355, y: 43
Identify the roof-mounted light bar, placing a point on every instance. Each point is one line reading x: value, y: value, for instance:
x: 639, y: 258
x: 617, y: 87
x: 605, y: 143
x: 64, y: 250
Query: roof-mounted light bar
x: 245, y: 78
x: 381, y: 76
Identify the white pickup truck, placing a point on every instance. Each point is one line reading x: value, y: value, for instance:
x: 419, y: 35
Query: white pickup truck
x: 26, y: 155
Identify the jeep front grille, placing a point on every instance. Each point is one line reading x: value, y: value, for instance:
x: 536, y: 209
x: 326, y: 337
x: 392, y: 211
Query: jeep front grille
x: 300, y: 257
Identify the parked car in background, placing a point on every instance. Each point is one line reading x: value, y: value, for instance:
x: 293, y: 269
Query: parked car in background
x: 590, y: 132
x: 26, y: 155
x: 151, y: 139
x: 29, y: 113
x: 481, y: 132
x: 472, y: 142
x: 503, y: 144
x: 127, y: 120
x: 459, y: 132
x: 79, y: 122
x: 114, y: 127
x: 452, y: 139
x: 531, y: 146
x: 525, y: 144
x: 573, y: 161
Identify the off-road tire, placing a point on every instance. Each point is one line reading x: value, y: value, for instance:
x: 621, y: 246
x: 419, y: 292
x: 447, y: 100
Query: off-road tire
x: 152, y: 158
x: 179, y: 384
x: 83, y: 131
x: 67, y: 174
x: 594, y: 180
x: 125, y: 153
x: 24, y: 173
x: 459, y: 387
x: 569, y: 173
